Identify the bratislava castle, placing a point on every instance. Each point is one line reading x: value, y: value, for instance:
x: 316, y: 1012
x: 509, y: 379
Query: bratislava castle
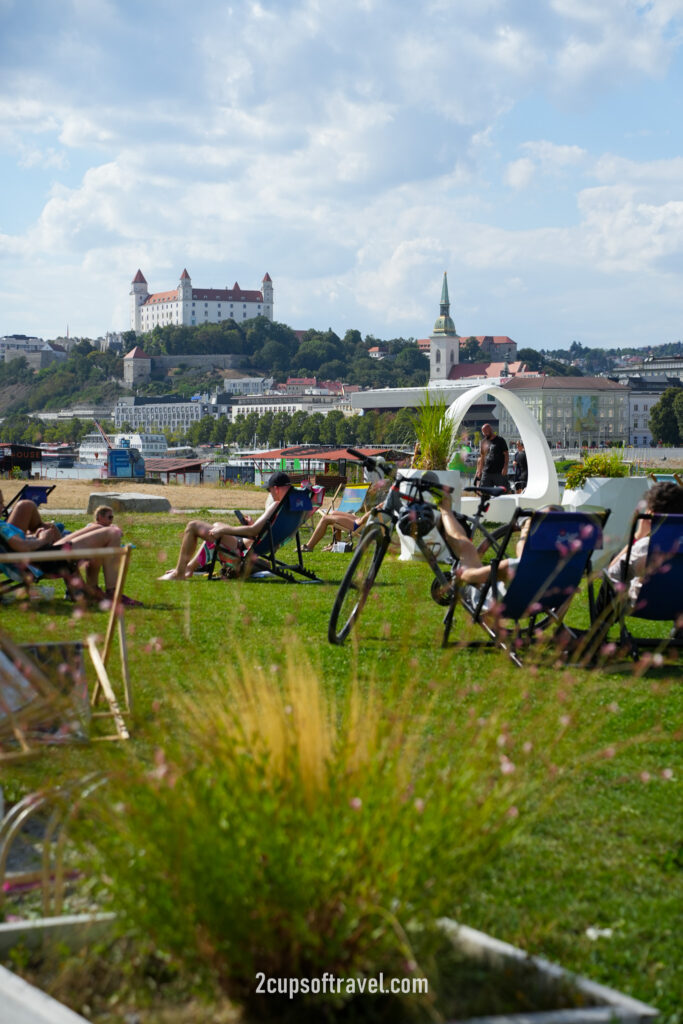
x: 194, y: 306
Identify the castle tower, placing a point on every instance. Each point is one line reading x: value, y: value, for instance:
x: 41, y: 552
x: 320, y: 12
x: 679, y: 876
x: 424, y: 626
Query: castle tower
x: 267, y: 289
x: 184, y: 293
x: 138, y: 294
x: 444, y: 350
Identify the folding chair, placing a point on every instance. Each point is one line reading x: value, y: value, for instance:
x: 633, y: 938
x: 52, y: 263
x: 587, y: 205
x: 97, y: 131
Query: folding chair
x: 22, y: 575
x: 555, y: 556
x: 352, y: 501
x: 660, y: 596
x: 259, y: 562
x: 103, y: 689
x: 37, y: 493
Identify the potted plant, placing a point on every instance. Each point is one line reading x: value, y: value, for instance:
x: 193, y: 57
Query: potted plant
x: 437, y: 439
x: 602, y: 480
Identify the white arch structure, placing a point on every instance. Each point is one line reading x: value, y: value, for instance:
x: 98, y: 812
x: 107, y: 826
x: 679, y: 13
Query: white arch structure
x: 542, y: 488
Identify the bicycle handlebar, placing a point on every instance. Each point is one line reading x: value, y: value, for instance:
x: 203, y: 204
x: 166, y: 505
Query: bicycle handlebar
x: 368, y: 462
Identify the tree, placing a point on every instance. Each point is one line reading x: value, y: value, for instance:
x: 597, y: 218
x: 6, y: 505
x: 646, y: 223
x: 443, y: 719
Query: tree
x: 312, y: 428
x: 663, y: 418
x: 470, y: 351
x: 328, y: 430
x: 278, y: 430
x: 263, y: 428
x: 297, y: 427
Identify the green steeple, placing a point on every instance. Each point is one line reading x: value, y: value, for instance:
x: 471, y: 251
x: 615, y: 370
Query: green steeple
x: 444, y: 325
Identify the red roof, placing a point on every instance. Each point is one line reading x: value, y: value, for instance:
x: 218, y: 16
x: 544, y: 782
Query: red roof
x: 235, y: 294
x: 136, y: 353
x: 314, y: 452
x: 267, y: 277
x: 185, y: 276
x: 139, y: 279
x: 160, y: 297
x: 465, y: 370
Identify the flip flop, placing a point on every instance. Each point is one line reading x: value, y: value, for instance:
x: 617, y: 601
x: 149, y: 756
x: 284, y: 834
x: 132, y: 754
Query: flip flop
x: 168, y: 575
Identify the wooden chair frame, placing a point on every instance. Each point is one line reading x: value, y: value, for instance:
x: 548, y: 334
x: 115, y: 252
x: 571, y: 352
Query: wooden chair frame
x: 103, y: 691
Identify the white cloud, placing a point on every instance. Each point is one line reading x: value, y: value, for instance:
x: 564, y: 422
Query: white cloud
x: 519, y: 174
x: 352, y: 150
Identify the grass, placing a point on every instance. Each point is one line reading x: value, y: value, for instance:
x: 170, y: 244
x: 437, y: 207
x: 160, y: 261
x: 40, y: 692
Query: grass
x: 606, y: 855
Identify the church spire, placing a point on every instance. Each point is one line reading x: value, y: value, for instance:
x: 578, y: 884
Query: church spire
x: 444, y: 324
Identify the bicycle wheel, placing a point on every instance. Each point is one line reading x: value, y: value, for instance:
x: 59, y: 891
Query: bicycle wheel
x: 488, y: 543
x: 357, y: 583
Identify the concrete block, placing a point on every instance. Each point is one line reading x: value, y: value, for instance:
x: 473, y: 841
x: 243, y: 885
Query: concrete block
x: 131, y: 501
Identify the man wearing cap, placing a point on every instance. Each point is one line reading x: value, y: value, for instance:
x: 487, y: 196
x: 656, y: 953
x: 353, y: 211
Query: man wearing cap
x: 233, y: 538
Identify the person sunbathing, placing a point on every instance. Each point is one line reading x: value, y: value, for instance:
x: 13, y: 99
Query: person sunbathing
x: 26, y: 517
x: 236, y: 540
x: 472, y: 570
x: 663, y: 498
x: 25, y: 530
x: 338, y: 521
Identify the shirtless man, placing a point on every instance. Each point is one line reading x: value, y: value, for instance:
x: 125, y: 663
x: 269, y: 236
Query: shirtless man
x: 234, y: 538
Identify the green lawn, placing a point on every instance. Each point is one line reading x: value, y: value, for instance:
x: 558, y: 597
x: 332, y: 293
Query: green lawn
x: 607, y: 853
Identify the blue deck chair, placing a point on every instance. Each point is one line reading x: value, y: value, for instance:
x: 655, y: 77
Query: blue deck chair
x: 37, y: 493
x: 260, y: 561
x: 660, y: 598
x: 20, y: 575
x: 555, y: 556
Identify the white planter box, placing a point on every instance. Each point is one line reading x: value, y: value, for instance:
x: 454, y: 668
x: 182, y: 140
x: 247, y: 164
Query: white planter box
x: 603, y: 1005
x: 619, y: 494
x: 409, y: 549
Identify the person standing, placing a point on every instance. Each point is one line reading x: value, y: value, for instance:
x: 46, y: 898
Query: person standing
x: 492, y: 467
x: 521, y: 471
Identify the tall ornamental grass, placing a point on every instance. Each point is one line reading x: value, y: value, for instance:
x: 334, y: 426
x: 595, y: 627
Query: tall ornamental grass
x: 435, y: 432
x: 277, y: 829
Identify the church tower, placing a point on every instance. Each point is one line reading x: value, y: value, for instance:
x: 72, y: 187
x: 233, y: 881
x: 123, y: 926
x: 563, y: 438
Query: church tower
x: 444, y: 344
x: 138, y: 294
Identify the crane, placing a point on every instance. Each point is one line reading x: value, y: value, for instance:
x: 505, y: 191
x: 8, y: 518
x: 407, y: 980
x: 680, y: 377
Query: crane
x: 106, y: 439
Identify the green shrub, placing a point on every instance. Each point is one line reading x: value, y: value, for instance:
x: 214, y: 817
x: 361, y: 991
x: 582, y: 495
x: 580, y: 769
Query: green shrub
x: 600, y: 464
x: 435, y: 432
x: 281, y: 830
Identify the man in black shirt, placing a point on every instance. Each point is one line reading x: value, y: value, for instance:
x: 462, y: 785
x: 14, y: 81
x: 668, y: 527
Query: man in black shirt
x: 492, y: 467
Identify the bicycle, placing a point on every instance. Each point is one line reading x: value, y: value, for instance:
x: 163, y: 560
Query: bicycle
x: 407, y: 511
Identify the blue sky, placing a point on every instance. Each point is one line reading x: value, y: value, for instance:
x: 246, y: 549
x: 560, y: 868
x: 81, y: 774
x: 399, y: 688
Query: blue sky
x: 354, y: 151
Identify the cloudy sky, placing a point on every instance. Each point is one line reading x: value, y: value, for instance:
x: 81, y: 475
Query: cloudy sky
x: 353, y: 150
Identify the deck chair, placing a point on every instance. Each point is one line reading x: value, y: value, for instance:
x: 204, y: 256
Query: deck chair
x: 23, y: 575
x: 660, y: 598
x: 351, y: 501
x: 37, y: 493
x: 671, y: 478
x: 555, y: 556
x: 260, y: 561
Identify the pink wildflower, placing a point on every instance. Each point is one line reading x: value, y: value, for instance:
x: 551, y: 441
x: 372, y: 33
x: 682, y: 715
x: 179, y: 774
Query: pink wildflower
x: 355, y: 803
x: 506, y: 765
x: 645, y: 776
x: 667, y: 774
x: 512, y: 812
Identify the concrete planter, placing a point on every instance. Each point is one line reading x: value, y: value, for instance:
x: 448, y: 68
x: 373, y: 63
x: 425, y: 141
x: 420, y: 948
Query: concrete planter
x: 28, y: 1005
x: 409, y: 549
x: 619, y: 494
x: 602, y: 1005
